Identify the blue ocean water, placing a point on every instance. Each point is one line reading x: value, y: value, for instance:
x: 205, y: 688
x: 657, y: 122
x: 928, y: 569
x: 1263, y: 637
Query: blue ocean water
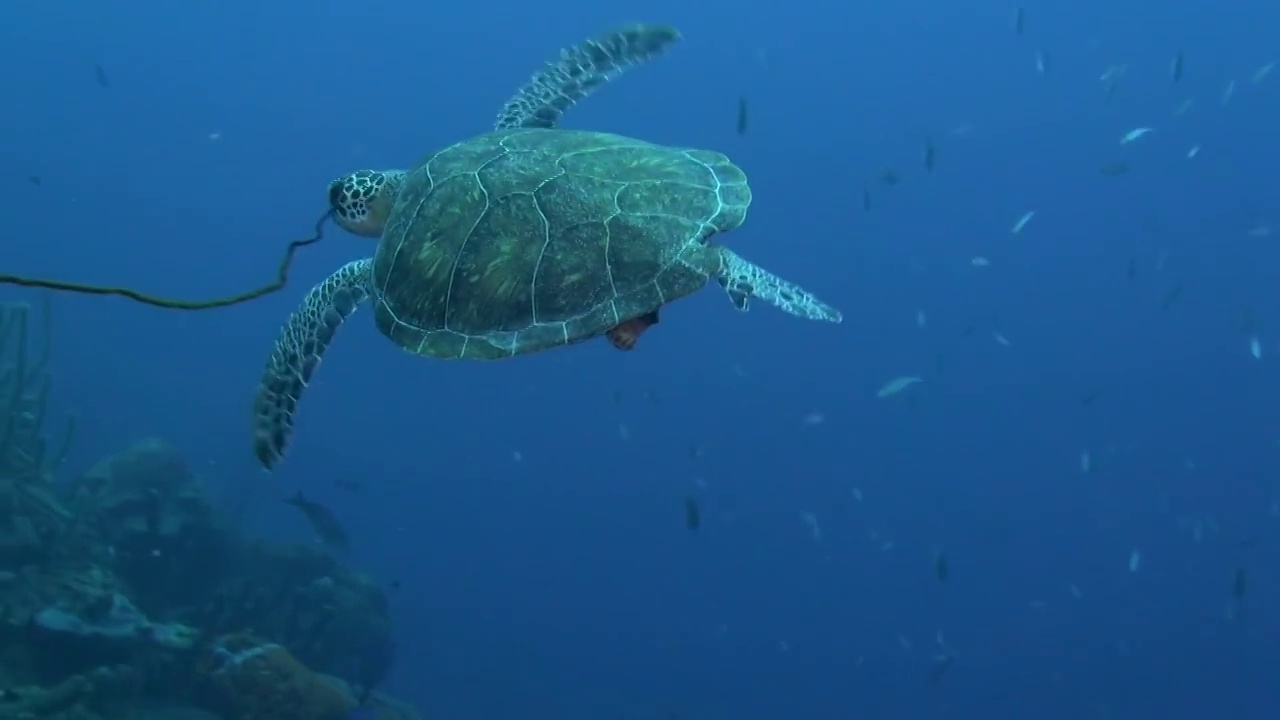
x: 532, y: 511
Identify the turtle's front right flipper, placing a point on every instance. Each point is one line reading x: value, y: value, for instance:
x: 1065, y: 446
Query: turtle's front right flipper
x: 580, y: 71
x: 743, y: 279
x: 296, y: 355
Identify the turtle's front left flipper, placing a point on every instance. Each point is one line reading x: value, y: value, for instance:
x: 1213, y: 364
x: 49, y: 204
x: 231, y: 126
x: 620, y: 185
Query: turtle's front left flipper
x: 743, y: 279
x: 296, y: 355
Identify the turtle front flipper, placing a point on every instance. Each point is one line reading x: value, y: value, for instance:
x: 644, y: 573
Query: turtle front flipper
x: 580, y: 71
x: 743, y: 280
x: 297, y: 352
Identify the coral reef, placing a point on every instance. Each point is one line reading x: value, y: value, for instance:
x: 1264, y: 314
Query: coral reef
x: 125, y: 595
x: 247, y: 678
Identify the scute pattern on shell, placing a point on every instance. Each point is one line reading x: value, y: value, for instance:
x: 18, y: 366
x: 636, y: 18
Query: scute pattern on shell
x: 521, y: 240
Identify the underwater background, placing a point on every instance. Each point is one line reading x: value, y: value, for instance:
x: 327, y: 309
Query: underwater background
x: 1070, y: 509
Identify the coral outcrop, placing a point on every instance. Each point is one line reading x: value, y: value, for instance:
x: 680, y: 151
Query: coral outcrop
x: 125, y: 594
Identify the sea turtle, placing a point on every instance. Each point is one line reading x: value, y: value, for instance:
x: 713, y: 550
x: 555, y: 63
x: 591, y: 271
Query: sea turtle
x: 527, y: 238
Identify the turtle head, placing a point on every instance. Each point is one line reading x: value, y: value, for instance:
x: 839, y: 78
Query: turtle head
x: 361, y: 201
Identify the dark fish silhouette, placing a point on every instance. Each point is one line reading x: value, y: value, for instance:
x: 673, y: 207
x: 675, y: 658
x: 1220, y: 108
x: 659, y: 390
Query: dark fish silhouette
x: 941, y: 664
x: 322, y: 520
x: 35, y: 180
x: 941, y: 567
x: 692, y: 515
x: 101, y: 74
x: 742, y: 115
x: 1114, y: 168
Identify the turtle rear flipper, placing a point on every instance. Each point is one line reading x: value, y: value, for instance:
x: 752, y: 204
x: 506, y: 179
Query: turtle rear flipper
x: 580, y: 71
x: 297, y: 352
x: 743, y: 279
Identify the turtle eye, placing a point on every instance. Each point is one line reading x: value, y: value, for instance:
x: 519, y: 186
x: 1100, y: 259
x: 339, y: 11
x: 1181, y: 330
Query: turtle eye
x: 335, y: 194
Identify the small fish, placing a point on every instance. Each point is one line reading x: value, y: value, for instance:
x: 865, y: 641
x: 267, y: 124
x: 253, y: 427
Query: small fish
x: 890, y: 178
x: 1022, y: 221
x: 692, y: 514
x: 101, y: 76
x: 742, y: 115
x: 979, y: 261
x: 1255, y: 347
x: 1042, y: 63
x: 941, y: 664
x: 35, y: 180
x: 1114, y: 169
x: 1000, y: 338
x: 1261, y: 73
x: 1194, y: 151
x: 1175, y: 67
x: 866, y: 200
x: 930, y: 155
x: 322, y: 520
x: 1086, y: 462
x: 1088, y: 398
x: 897, y: 385
x: 1184, y: 107
x: 941, y: 568
x: 1114, y: 72
x: 1019, y: 20
x: 1239, y: 584
x: 1109, y: 90
x: 1135, y: 561
x: 921, y: 320
x: 1135, y: 134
